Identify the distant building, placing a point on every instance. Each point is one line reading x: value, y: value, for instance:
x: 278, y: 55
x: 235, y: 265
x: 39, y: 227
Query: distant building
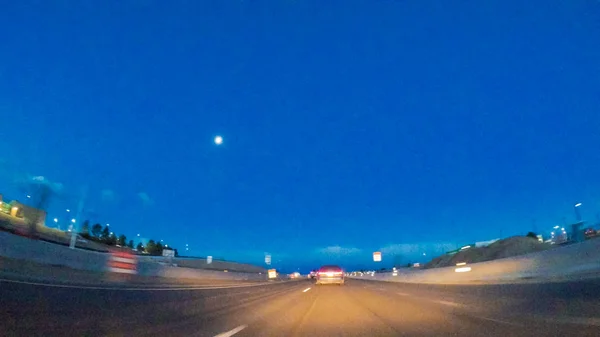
x: 22, y: 211
x: 29, y: 213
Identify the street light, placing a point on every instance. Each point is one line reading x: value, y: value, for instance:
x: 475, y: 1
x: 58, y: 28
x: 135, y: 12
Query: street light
x: 68, y: 210
x: 577, y: 213
x: 56, y: 220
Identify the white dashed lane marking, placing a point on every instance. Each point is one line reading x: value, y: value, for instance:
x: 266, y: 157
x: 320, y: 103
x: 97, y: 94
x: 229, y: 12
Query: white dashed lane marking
x: 232, y: 332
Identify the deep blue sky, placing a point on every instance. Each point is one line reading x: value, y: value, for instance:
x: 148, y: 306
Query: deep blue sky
x: 349, y: 126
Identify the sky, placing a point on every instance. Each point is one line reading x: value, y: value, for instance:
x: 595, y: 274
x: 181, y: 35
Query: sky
x: 407, y: 127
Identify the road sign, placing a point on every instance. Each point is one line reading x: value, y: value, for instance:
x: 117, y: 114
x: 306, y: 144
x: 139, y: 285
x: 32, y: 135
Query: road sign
x: 377, y: 256
x: 168, y: 253
x: 208, y: 259
x: 272, y: 273
x: 268, y: 259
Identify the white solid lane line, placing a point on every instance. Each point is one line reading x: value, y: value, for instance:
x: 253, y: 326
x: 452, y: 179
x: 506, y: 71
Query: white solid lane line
x: 232, y: 332
x: 132, y: 288
x: 572, y: 320
x: 448, y: 303
x: 305, y: 290
x: 496, y: 320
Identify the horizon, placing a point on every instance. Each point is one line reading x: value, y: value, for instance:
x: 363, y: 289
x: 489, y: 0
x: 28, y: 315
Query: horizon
x: 316, y: 133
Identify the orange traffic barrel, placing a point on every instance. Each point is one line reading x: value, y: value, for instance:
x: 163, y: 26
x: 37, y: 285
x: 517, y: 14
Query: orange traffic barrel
x: 122, y: 262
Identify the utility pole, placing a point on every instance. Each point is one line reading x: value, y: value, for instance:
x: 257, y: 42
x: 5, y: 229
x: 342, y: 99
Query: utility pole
x: 75, y: 230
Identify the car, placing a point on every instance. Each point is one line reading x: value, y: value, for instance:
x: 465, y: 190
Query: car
x: 313, y: 274
x: 330, y: 275
x: 589, y: 233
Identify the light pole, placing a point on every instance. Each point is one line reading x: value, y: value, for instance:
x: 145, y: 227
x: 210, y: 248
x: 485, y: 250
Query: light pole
x: 576, y: 235
x: 78, y: 215
x: 577, y: 213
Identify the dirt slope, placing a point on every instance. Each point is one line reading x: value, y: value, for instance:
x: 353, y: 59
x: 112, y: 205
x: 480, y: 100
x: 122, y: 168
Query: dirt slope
x: 513, y: 246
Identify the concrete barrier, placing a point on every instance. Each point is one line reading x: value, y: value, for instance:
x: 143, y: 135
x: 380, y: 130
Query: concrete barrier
x: 200, y: 263
x: 16, y: 247
x: 154, y: 269
x: 559, y: 262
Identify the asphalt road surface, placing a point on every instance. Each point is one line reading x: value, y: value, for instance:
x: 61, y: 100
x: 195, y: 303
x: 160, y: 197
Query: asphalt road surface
x: 300, y: 308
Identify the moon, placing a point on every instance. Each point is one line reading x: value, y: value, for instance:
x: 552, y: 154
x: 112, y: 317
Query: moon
x: 218, y: 140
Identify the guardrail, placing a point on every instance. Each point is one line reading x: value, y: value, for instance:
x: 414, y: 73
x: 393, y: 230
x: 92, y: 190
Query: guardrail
x: 560, y: 262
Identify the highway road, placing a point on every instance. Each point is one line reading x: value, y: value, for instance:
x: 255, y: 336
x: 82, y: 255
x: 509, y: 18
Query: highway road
x: 300, y: 308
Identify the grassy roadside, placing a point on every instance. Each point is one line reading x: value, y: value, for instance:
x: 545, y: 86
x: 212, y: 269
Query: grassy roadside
x: 18, y: 226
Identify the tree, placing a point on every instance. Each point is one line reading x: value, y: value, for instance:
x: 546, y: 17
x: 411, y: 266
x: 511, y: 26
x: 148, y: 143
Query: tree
x: 160, y: 248
x: 122, y: 240
x: 140, y: 247
x: 41, y: 191
x: 85, y: 229
x: 532, y: 235
x: 130, y: 244
x: 111, y: 240
x: 176, y: 252
x: 104, y: 236
x: 153, y: 248
x: 97, y: 230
